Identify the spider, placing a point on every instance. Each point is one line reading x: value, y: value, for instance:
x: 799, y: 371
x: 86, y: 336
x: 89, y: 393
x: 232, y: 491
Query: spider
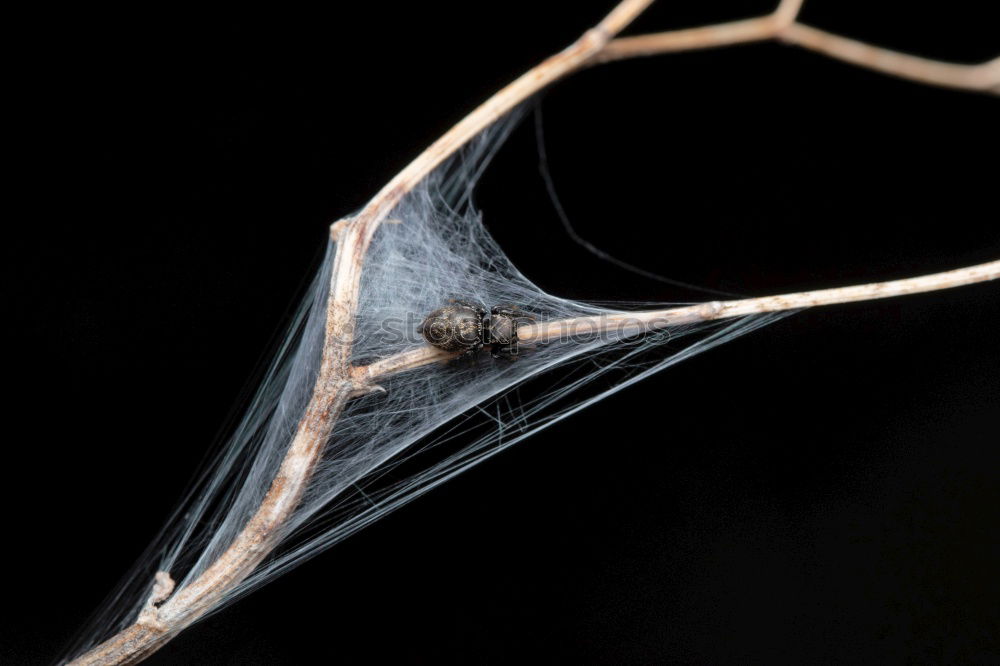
x: 464, y: 327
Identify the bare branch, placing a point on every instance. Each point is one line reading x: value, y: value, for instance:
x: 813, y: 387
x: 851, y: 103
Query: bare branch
x: 984, y: 77
x: 787, y: 12
x: 690, y: 39
x: 781, y: 25
x: 637, y: 322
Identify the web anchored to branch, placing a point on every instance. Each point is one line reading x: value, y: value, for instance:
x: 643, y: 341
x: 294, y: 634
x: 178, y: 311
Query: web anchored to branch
x: 359, y: 415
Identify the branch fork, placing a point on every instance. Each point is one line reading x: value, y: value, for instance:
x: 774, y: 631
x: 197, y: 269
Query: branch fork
x: 149, y: 616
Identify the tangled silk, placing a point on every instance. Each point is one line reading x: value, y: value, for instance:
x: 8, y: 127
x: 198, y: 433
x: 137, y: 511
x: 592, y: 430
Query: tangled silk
x: 430, y: 423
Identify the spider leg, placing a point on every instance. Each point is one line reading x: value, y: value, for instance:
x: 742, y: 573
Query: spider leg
x: 469, y: 355
x: 507, y: 352
x: 512, y: 311
x: 478, y: 307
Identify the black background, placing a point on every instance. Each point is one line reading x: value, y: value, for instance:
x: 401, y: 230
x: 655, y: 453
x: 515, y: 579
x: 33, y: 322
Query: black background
x: 823, y: 490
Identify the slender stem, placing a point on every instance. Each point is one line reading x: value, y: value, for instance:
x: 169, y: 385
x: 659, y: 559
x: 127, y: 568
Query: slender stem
x: 781, y: 25
x: 690, y: 39
x: 635, y: 322
x: 984, y: 76
x: 538, y: 78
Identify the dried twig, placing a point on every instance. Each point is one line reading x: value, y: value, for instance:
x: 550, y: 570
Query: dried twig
x: 782, y: 26
x: 163, y: 616
x: 984, y: 77
x: 630, y: 323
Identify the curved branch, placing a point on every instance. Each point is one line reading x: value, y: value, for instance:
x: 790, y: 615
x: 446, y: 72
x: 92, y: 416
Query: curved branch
x: 782, y: 26
x: 983, y: 77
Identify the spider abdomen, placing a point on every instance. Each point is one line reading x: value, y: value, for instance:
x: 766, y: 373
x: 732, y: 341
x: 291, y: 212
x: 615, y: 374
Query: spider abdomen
x: 457, y: 327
